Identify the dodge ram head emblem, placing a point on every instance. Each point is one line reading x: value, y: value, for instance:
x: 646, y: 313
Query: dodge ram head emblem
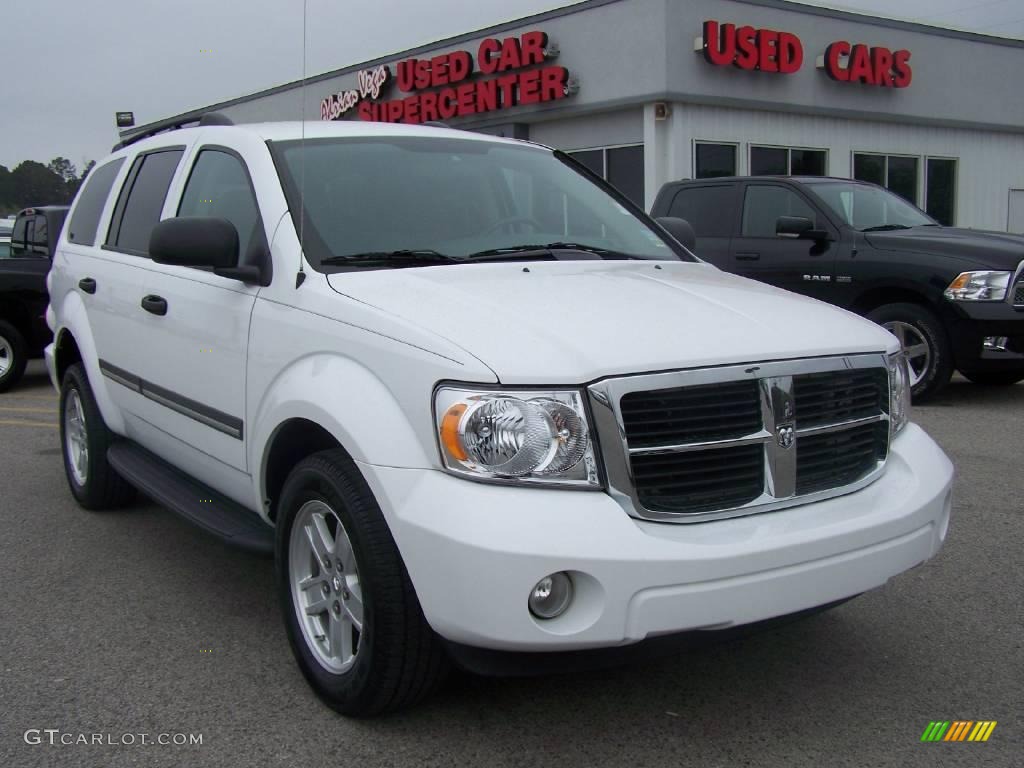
x: 785, y: 436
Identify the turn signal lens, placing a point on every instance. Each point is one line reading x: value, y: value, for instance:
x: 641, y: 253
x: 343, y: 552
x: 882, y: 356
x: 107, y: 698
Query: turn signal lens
x: 450, y: 431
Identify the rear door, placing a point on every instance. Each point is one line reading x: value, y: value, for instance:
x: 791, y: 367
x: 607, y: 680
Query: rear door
x: 799, y: 265
x: 713, y: 212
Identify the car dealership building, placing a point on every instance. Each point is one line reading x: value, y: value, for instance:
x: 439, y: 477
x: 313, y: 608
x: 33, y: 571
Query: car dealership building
x: 647, y: 91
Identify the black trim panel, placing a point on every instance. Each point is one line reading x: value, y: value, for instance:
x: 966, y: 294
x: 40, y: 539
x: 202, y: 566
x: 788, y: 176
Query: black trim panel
x: 204, y: 414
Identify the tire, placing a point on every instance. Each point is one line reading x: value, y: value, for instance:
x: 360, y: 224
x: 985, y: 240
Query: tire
x: 93, y: 483
x: 370, y: 649
x: 13, y: 355
x: 920, y: 330
x: 994, y: 378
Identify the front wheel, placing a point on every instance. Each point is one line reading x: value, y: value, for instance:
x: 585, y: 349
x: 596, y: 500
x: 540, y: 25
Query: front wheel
x: 994, y: 378
x: 925, y: 343
x: 354, y: 623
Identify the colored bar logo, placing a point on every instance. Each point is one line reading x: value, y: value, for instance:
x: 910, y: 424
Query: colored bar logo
x: 958, y: 730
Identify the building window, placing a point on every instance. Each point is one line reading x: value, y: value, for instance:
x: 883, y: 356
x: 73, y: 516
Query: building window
x: 711, y: 161
x: 897, y: 173
x: 622, y: 167
x: 940, y: 189
x: 785, y: 161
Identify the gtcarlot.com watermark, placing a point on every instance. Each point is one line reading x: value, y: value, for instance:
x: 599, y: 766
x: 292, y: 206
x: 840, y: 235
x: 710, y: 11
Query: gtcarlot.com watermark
x: 56, y: 737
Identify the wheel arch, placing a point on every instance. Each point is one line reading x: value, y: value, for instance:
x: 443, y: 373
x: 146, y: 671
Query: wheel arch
x: 66, y: 352
x: 879, y: 296
x: 291, y: 442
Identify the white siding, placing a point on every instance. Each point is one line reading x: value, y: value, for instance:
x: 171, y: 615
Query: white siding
x: 989, y: 163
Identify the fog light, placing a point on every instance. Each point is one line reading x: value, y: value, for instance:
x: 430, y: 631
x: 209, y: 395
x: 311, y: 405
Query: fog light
x: 997, y: 343
x: 551, y: 596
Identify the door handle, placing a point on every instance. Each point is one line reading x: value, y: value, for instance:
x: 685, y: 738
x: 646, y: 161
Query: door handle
x: 747, y: 256
x: 87, y: 284
x: 156, y: 305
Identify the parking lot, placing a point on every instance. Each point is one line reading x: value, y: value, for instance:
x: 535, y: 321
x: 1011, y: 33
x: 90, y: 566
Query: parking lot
x: 134, y: 622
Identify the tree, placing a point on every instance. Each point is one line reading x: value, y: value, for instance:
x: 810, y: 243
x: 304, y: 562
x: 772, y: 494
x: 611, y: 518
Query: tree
x: 7, y: 204
x: 63, y: 168
x: 35, y: 184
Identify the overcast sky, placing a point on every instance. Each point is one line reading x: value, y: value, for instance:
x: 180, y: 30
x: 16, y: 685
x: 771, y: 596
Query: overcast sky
x: 73, y: 63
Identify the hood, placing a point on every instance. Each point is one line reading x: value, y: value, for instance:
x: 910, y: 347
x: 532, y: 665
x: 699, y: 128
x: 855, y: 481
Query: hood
x: 573, y: 322
x: 989, y: 250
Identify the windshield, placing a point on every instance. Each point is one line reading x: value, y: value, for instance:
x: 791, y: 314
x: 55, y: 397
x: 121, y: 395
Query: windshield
x: 432, y: 200
x: 866, y: 207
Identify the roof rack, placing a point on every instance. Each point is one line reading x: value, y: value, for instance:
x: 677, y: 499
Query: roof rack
x: 172, y: 124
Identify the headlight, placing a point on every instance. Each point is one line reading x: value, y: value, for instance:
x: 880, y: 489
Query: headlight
x: 979, y: 286
x: 899, y: 392
x: 532, y: 437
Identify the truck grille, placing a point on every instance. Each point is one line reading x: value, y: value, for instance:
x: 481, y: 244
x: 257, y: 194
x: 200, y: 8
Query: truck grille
x: 1018, y: 294
x: 713, y: 443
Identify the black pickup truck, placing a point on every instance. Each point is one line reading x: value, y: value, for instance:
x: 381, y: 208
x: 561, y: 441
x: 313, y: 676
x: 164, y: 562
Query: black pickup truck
x: 954, y: 297
x: 23, y: 297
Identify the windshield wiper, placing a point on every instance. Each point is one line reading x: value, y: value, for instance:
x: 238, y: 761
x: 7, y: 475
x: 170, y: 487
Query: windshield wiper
x: 407, y: 256
x: 530, y: 250
x: 886, y: 228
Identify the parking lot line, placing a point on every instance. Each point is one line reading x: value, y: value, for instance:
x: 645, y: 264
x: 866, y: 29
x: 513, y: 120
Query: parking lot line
x: 27, y: 410
x: 19, y: 423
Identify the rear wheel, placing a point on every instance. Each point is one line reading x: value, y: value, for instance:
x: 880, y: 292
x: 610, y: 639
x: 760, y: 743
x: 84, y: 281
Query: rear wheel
x: 354, y: 622
x: 994, y: 378
x: 924, y: 341
x: 85, y: 438
x: 13, y: 355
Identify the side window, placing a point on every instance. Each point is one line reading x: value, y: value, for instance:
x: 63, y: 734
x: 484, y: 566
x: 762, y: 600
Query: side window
x: 37, y: 242
x: 141, y: 200
x: 708, y: 209
x: 219, y: 186
x: 91, y: 200
x: 764, y: 204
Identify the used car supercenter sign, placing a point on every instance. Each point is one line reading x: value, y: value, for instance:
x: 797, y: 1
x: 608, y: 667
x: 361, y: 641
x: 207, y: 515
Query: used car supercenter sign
x: 502, y: 74
x: 766, y: 50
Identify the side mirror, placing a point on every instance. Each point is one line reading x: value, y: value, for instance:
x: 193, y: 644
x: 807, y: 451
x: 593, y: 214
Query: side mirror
x: 680, y: 229
x: 196, y: 241
x: 798, y: 227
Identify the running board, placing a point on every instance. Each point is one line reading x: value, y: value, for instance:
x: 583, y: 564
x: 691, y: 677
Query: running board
x: 198, y: 503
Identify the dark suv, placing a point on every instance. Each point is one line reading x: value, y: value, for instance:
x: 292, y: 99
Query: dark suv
x: 954, y: 297
x: 23, y: 298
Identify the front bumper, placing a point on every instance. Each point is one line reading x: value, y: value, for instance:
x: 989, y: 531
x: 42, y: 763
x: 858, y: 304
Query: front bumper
x: 474, y: 552
x: 969, y: 323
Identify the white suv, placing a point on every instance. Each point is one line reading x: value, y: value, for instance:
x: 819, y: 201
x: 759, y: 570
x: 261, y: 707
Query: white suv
x: 476, y: 402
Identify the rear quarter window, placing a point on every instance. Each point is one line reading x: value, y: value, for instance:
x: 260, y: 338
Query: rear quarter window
x: 92, y: 198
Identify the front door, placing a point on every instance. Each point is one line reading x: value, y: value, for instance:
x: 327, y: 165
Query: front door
x: 799, y: 265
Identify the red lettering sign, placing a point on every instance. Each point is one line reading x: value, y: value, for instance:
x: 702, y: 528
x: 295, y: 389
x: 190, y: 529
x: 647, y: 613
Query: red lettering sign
x: 512, y: 71
x: 879, y: 66
x: 764, y: 50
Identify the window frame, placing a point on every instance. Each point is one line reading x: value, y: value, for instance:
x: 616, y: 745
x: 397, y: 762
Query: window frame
x: 125, y: 192
x: 751, y: 146
x: 604, y: 155
x: 192, y: 162
x: 919, y: 190
x: 738, y: 157
x: 956, y: 185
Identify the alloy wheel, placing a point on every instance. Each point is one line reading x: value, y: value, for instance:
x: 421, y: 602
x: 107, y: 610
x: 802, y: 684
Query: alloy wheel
x: 6, y: 355
x: 75, y: 437
x: 914, y: 345
x: 326, y: 590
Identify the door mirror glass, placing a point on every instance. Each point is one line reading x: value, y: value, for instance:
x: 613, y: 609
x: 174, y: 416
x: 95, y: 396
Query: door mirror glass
x: 681, y: 230
x: 195, y: 241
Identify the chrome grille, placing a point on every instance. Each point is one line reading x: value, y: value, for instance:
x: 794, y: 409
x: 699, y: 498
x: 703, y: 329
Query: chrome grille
x: 702, y: 444
x: 1018, y: 294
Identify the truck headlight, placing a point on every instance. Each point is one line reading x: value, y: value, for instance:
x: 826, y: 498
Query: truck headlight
x: 979, y: 286
x: 531, y: 437
x: 899, y: 393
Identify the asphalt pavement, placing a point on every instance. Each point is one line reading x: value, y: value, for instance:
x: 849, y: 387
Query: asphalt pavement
x: 127, y: 628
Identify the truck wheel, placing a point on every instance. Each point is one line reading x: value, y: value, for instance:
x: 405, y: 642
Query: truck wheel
x: 924, y: 340
x: 13, y: 355
x: 994, y: 378
x: 85, y: 438
x: 353, y: 620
